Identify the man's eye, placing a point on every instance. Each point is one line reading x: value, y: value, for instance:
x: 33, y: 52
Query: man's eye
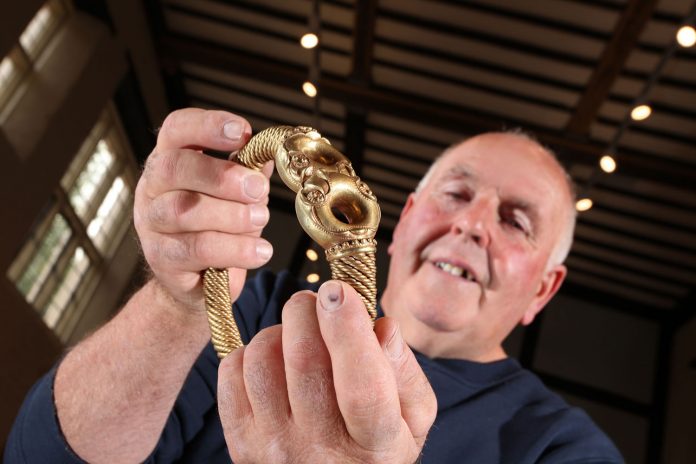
x: 516, y: 223
x: 458, y: 196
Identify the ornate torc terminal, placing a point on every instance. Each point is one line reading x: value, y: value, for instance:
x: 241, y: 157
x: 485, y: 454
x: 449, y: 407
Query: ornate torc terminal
x: 336, y: 209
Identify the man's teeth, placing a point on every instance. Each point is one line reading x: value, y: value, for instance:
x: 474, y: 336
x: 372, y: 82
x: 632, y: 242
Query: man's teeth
x: 455, y: 270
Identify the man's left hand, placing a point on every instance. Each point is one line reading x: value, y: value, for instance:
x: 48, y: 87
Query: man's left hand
x: 325, y: 387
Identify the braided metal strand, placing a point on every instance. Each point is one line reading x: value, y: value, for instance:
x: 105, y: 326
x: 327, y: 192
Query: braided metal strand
x: 223, y: 329
x: 262, y: 147
x: 358, y: 270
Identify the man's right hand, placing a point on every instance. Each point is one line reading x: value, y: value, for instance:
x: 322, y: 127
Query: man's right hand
x: 193, y: 211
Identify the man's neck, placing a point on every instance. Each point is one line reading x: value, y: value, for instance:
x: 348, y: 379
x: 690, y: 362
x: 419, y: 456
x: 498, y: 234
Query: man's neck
x: 437, y: 344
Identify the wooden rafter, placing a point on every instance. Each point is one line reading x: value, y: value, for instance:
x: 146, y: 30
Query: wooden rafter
x: 442, y: 115
x: 626, y: 33
x: 361, y: 74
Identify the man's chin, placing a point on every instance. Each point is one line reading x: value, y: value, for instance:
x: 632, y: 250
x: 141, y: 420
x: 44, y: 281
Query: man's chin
x: 440, y: 319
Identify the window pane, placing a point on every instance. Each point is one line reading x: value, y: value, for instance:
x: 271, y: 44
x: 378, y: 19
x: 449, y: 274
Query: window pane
x: 7, y: 73
x: 45, y: 257
x: 69, y: 283
x: 32, y: 34
x: 41, y: 28
x: 104, y: 224
x: 10, y: 75
x: 82, y: 194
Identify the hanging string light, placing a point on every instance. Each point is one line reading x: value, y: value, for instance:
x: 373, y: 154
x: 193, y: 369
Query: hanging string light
x: 309, y: 40
x: 311, y: 254
x: 686, y: 36
x: 608, y: 164
x: 640, y: 110
x: 309, y: 89
x: 583, y: 204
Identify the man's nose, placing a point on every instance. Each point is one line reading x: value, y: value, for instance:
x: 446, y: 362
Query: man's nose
x: 475, y: 220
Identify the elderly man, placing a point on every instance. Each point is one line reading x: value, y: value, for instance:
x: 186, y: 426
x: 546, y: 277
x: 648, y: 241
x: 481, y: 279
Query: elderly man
x: 478, y: 249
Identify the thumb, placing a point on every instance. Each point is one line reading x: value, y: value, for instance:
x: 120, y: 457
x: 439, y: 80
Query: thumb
x: 267, y: 169
x: 416, y: 396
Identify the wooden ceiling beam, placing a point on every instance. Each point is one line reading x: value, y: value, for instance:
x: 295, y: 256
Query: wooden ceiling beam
x: 571, y: 150
x: 361, y: 75
x: 626, y: 34
x: 363, y: 41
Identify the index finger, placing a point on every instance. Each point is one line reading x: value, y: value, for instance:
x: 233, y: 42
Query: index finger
x: 365, y: 386
x: 198, y: 128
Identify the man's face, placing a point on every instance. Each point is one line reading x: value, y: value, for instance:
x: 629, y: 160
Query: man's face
x: 471, y: 251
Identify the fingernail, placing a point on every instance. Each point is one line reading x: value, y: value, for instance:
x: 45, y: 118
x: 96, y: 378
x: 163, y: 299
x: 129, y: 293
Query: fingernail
x: 395, y: 346
x: 264, y: 250
x: 259, y: 214
x: 233, y: 130
x: 331, y: 295
x: 254, y: 185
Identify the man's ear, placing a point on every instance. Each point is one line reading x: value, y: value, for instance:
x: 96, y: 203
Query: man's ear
x: 549, y: 285
x: 404, y: 211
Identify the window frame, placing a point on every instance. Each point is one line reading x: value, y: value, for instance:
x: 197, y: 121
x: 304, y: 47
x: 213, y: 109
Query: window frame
x: 24, y: 60
x: 108, y: 128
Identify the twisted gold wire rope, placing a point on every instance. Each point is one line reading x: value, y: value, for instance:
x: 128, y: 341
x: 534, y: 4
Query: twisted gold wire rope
x: 351, y: 262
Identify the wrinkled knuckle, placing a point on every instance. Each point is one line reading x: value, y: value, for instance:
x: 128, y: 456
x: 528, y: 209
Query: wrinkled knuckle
x: 411, y: 378
x: 163, y: 165
x: 177, y: 250
x: 259, y: 379
x: 151, y: 249
x: 182, y: 203
x: 303, y: 352
x: 301, y: 299
x: 158, y: 213
x: 367, y: 401
x: 212, y: 119
x: 170, y: 123
x: 223, y: 177
x: 202, y: 248
x: 151, y: 164
x: 261, y: 342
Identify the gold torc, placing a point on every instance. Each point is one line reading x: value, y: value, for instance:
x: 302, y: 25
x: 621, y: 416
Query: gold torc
x: 336, y: 209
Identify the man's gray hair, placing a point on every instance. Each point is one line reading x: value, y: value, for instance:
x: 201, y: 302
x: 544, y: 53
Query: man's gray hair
x: 565, y: 242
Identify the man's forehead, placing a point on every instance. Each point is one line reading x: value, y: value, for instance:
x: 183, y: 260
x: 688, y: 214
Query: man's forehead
x: 517, y: 167
x: 494, y: 146
x: 507, y: 152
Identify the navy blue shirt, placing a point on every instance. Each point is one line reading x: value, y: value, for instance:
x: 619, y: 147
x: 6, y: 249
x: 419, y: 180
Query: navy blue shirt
x: 487, y: 412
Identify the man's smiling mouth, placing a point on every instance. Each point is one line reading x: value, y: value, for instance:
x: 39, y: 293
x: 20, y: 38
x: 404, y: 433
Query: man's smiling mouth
x: 456, y: 271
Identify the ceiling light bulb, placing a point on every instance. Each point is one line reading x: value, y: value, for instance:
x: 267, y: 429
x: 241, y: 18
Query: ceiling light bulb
x: 313, y: 277
x: 583, y: 204
x: 309, y: 89
x: 312, y: 255
x: 309, y: 40
x: 607, y: 163
x: 686, y: 36
x: 641, y: 112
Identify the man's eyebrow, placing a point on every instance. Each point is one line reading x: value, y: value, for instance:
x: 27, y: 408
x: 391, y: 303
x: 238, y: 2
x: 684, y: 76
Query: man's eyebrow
x: 460, y: 171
